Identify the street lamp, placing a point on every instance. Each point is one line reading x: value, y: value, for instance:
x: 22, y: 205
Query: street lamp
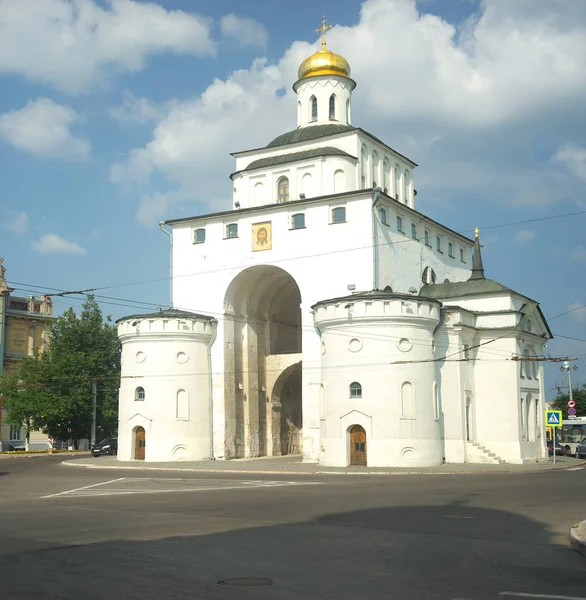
x: 567, y: 366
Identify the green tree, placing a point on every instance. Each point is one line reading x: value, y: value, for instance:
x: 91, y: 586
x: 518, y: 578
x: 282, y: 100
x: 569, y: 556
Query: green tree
x: 579, y: 397
x: 51, y: 391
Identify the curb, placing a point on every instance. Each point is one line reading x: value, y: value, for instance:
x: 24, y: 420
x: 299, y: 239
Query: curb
x: 4, y: 456
x: 578, y: 537
x: 74, y: 463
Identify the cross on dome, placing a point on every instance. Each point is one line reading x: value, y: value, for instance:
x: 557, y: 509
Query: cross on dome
x: 325, y: 26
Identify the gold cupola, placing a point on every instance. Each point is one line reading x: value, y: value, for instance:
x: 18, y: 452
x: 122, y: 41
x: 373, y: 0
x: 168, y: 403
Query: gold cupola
x: 324, y: 62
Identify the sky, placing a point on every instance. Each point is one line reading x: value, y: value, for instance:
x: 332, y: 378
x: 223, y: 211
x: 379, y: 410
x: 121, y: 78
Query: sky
x: 116, y: 114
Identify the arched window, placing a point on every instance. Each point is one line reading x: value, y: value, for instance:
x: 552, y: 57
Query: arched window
x: 363, y: 160
x: 386, y: 173
x: 182, y: 406
x: 526, y: 365
x: 436, y: 404
x: 306, y: 185
x: 374, y: 169
x: 348, y: 111
x: 339, y: 182
x: 407, y: 401
x: 407, y: 184
x: 139, y: 394
x: 283, y: 189
x: 428, y: 275
x: 313, y: 106
x: 397, y: 182
x: 382, y: 213
x: 333, y: 107
x: 299, y: 112
x: 258, y: 194
x: 355, y: 390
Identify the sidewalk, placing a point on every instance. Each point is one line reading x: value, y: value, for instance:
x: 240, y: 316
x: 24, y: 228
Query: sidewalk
x: 293, y: 465
x: 578, y: 537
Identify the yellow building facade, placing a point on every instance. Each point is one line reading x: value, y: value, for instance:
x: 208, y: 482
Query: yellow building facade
x: 23, y: 330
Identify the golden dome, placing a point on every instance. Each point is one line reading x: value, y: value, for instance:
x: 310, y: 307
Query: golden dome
x: 324, y: 62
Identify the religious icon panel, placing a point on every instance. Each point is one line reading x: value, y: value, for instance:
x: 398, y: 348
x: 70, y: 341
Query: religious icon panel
x: 261, y: 236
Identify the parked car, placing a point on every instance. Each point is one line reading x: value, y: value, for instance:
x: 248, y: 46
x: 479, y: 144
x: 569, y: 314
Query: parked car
x: 581, y: 449
x: 108, y: 447
x: 559, y: 449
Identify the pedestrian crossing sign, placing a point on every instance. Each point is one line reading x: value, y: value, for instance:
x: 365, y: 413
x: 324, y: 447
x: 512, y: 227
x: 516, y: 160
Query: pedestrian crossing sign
x: 553, y: 418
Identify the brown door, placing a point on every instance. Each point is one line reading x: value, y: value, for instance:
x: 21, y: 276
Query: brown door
x: 357, y: 446
x: 140, y: 444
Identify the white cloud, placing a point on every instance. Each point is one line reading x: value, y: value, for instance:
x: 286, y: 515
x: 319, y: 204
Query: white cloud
x: 573, y: 158
x: 578, y: 254
x: 445, y: 96
x: 17, y: 222
x: 137, y: 110
x: 42, y: 127
x: 54, y: 244
x: 578, y: 311
x: 74, y: 44
x: 246, y: 31
x: 523, y: 236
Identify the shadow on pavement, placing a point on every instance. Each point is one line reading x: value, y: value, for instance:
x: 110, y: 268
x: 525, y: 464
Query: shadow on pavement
x: 420, y: 552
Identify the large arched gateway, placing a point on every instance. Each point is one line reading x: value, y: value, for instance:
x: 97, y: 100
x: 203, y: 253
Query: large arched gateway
x: 262, y: 390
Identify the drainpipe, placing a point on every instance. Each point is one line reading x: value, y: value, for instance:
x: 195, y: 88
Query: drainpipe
x: 162, y: 226
x: 211, y: 389
x: 375, y: 197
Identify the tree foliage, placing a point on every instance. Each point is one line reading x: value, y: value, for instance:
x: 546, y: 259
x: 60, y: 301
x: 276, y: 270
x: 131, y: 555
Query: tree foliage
x: 579, y: 397
x: 52, y: 390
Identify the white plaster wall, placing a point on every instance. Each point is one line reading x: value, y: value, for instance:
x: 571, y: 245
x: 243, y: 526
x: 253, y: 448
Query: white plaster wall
x: 161, y: 375
x: 359, y: 344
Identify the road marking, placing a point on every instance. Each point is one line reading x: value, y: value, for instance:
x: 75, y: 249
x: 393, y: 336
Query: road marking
x: 92, y: 491
x: 456, y: 517
x: 86, y: 487
x: 548, y: 596
x: 575, y: 469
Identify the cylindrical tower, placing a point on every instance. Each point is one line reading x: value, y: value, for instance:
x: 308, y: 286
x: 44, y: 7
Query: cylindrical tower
x: 324, y: 89
x: 165, y: 392
x: 380, y: 404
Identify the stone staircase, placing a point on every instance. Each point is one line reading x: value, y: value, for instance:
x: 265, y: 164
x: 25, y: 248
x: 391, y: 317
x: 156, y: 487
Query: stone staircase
x: 484, y: 454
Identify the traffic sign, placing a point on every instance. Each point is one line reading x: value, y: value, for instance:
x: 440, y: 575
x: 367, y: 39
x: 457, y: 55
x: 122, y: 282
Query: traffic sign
x: 571, y: 404
x: 553, y: 418
x: 571, y: 411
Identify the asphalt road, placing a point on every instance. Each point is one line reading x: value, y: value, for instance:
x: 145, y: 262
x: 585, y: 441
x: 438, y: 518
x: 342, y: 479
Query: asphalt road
x: 71, y: 533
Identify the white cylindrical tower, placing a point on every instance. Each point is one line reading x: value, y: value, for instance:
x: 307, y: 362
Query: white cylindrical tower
x: 165, y: 393
x: 324, y: 89
x: 380, y: 403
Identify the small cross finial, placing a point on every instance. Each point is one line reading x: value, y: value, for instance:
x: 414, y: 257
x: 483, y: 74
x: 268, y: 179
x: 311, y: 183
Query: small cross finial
x: 476, y: 233
x: 322, y: 29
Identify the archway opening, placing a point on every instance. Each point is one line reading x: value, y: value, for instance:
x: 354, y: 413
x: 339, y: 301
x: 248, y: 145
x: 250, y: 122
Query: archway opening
x: 139, y: 443
x: 357, y: 446
x: 262, y: 345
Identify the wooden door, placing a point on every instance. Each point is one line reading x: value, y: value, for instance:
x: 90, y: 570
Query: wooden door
x: 357, y: 446
x: 140, y: 444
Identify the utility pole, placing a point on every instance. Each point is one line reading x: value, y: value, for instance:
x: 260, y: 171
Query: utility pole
x: 94, y: 406
x: 567, y: 366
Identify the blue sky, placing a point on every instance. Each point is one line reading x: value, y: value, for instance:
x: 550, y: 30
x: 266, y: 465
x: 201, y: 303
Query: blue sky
x: 117, y: 114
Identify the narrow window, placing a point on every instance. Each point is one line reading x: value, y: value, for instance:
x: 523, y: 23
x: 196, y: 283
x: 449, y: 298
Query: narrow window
x: 283, y: 190
x: 426, y: 235
x: 339, y: 215
x: 298, y: 221
x: 139, y: 394
x: 386, y: 170
x: 466, y: 351
x: 355, y: 390
x: 348, y: 111
x: 199, y: 236
x: 182, y: 406
x: 450, y: 250
x: 313, y: 104
x: 397, y: 182
x: 232, y: 230
x: 374, y: 167
x: 332, y: 107
x: 414, y: 231
x: 436, y: 406
x: 400, y: 225
x: 382, y: 213
x: 528, y: 366
x: 407, y: 401
x: 407, y: 184
x: 438, y: 243
x: 462, y: 255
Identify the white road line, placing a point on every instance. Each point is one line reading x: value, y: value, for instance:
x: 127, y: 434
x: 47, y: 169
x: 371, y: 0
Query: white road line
x: 86, y: 492
x: 86, y: 487
x: 575, y: 469
x: 548, y: 596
